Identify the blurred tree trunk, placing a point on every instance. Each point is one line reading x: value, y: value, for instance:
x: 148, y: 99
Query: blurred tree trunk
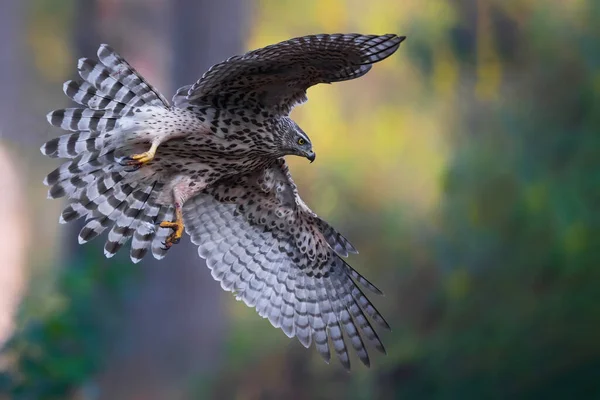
x: 175, y: 323
x: 11, y: 69
x: 12, y: 196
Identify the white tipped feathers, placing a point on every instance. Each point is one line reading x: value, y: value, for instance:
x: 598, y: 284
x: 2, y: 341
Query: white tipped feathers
x: 258, y: 237
x: 314, y: 299
x: 98, y: 187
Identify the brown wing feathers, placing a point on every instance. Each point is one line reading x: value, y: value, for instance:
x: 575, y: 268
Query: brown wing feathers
x: 276, y: 77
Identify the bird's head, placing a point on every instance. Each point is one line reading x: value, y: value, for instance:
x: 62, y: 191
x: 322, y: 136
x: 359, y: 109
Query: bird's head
x: 294, y: 140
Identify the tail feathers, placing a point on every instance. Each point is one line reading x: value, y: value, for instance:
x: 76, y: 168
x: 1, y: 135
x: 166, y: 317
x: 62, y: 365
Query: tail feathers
x: 158, y: 243
x: 85, y: 163
x: 87, y: 95
x: 75, y: 187
x: 129, y: 77
x: 114, y: 79
x: 83, y: 119
x: 87, y: 200
x: 104, y: 210
x: 131, y: 212
x: 107, y: 82
x: 110, y: 89
x: 74, y: 144
x: 105, y: 205
x: 144, y: 234
x: 92, y: 229
x: 127, y: 220
x: 98, y: 187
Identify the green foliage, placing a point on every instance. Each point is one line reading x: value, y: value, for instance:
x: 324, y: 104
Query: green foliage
x: 520, y: 214
x: 53, y: 356
x: 494, y: 293
x: 466, y: 169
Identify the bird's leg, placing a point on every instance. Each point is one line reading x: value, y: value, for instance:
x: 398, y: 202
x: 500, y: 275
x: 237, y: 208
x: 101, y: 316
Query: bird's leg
x: 176, y: 225
x: 137, y: 160
x: 183, y: 189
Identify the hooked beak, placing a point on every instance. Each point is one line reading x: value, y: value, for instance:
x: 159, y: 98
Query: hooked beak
x: 311, y: 156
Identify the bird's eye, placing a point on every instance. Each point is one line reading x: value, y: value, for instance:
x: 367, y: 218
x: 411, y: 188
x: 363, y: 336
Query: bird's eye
x: 301, y: 141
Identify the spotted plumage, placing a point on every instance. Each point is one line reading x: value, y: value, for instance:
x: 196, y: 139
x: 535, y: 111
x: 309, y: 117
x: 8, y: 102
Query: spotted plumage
x: 212, y: 164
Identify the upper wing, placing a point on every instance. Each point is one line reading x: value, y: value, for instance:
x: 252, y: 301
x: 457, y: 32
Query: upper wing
x: 276, y: 77
x: 263, y: 243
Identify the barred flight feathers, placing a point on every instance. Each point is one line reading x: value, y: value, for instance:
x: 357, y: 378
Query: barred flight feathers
x: 98, y: 187
x: 262, y: 243
x: 212, y: 165
x: 276, y: 77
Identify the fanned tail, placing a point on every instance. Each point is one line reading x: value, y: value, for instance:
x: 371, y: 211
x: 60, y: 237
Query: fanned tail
x: 98, y: 186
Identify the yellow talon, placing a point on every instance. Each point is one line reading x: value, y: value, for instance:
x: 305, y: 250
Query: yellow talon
x: 177, y: 227
x: 143, y: 158
x: 137, y: 160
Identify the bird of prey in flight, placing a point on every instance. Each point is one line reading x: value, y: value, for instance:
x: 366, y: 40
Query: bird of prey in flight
x: 211, y: 163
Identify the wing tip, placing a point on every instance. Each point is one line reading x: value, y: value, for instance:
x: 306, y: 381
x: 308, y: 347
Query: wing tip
x: 394, y: 37
x: 345, y: 361
x: 366, y: 361
x: 378, y: 49
x: 384, y: 324
x: 304, y: 340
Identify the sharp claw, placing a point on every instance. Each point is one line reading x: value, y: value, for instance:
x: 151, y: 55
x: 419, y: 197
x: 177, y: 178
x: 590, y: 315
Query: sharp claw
x: 136, y: 161
x: 177, y: 228
x: 132, y: 168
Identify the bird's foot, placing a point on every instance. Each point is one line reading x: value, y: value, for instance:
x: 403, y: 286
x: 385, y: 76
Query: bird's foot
x: 136, y: 161
x: 174, y: 237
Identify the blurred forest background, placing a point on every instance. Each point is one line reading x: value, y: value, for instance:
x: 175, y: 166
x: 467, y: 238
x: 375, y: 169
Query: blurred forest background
x: 465, y: 168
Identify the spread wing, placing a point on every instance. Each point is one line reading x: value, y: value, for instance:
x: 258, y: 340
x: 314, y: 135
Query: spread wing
x: 276, y: 77
x: 265, y: 245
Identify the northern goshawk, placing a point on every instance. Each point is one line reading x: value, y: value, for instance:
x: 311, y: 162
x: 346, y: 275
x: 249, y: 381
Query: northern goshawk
x: 212, y: 162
